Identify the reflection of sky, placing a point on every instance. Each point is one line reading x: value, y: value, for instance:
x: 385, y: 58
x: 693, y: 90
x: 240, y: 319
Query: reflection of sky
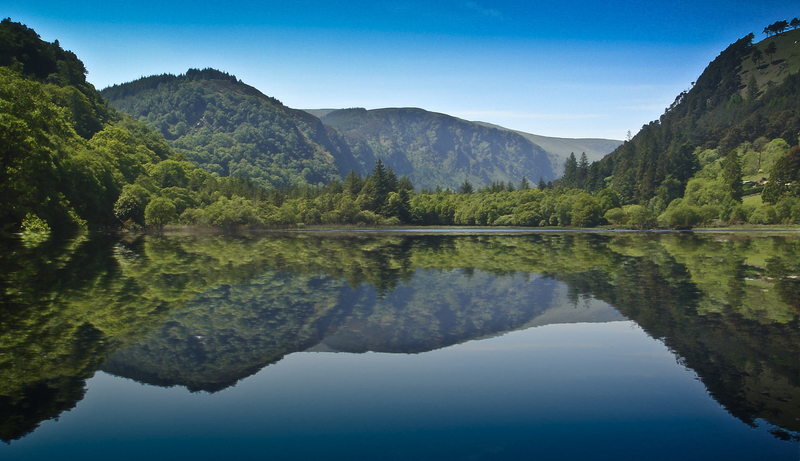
x: 580, y: 391
x: 572, y: 68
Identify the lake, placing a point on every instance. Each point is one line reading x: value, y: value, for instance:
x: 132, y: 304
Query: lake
x: 461, y: 345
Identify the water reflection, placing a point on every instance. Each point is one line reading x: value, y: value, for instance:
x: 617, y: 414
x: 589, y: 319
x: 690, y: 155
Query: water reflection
x: 206, y: 312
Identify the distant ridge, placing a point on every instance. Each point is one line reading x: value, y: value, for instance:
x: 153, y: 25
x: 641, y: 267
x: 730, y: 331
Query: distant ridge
x: 594, y: 148
x: 438, y: 150
x: 557, y: 149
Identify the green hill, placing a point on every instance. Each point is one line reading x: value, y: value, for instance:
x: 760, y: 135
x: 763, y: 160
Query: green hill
x: 743, y: 95
x: 439, y: 150
x: 69, y: 160
x: 227, y: 127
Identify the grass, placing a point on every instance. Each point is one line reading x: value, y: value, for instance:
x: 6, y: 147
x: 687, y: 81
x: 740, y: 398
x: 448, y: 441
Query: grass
x: 786, y: 59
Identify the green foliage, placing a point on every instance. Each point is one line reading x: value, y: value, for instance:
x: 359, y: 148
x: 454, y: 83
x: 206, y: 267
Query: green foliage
x: 23, y: 50
x: 159, y: 212
x: 34, y: 225
x: 784, y: 178
x: 715, y: 116
x: 680, y: 215
x: 232, y: 129
x: 764, y: 214
x: 731, y: 177
x: 32, y: 132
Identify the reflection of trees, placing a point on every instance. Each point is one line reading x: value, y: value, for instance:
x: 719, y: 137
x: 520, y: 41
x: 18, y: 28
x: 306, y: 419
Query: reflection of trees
x: 49, y: 326
x: 206, y: 311
x: 747, y: 362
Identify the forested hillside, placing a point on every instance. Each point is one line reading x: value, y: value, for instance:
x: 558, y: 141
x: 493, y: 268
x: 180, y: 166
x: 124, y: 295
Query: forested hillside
x: 749, y: 91
x: 722, y: 153
x: 70, y: 161
x: 66, y: 155
x: 229, y: 128
x: 437, y: 150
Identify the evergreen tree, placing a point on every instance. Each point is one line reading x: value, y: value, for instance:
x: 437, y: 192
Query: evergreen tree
x: 732, y: 176
x: 756, y: 56
x: 353, y: 183
x: 683, y: 163
x: 524, y: 184
x: 581, y: 172
x: 466, y: 187
x: 570, y: 171
x: 771, y: 49
x: 752, y: 89
x: 784, y: 178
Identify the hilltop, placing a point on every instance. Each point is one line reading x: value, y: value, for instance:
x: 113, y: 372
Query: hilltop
x: 230, y: 128
x: 227, y: 127
x: 559, y: 149
x: 437, y: 150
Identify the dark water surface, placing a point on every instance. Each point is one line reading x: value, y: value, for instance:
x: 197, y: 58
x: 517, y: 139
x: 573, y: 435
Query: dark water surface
x: 402, y: 346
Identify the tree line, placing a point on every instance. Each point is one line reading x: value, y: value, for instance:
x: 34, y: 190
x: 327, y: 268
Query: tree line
x: 69, y: 160
x: 779, y: 27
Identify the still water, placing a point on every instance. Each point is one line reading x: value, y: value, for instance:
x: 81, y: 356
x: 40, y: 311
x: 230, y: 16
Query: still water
x: 398, y: 346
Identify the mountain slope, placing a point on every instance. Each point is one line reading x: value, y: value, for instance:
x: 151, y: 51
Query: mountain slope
x: 227, y: 127
x: 560, y: 148
x: 439, y: 150
x: 738, y: 98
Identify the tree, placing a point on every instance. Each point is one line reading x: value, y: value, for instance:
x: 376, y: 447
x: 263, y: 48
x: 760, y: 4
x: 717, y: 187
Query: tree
x: 32, y: 130
x: 466, y: 187
x: 795, y: 23
x: 131, y: 204
x: 541, y: 185
x: 772, y: 48
x: 582, y: 172
x: 784, y: 177
x: 159, y: 212
x: 756, y: 56
x: 732, y: 176
x: 570, y: 171
x: 353, y: 183
x: 683, y: 163
x: 752, y: 89
x: 524, y: 184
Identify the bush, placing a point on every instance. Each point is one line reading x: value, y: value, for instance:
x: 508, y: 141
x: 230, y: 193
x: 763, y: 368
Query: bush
x: 680, y: 216
x: 764, y: 214
x: 159, y: 212
x: 616, y: 216
x: 640, y: 217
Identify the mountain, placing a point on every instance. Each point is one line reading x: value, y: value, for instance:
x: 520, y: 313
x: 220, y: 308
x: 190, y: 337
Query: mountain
x: 227, y: 127
x: 748, y: 92
x: 557, y: 148
x: 560, y: 148
x: 437, y: 150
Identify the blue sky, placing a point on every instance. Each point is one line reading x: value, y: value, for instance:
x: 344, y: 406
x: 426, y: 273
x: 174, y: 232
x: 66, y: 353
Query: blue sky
x: 569, y: 68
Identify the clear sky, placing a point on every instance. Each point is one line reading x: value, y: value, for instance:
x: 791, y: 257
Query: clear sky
x: 569, y: 68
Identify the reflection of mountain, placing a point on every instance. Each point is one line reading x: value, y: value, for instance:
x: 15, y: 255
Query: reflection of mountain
x: 356, y: 337
x: 230, y: 333
x: 205, y: 312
